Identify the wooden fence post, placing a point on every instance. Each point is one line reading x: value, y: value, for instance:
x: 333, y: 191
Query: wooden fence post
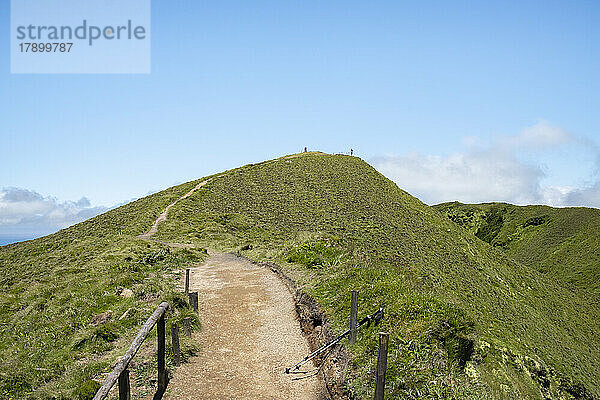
x: 187, y: 326
x: 193, y: 296
x: 124, y: 392
x: 187, y: 281
x: 381, y: 365
x: 353, y: 316
x: 120, y: 373
x: 175, y: 343
x: 162, y: 371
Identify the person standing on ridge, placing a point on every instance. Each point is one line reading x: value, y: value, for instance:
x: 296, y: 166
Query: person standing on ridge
x: 351, y: 151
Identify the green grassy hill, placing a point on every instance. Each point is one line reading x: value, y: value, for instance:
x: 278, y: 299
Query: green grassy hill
x: 52, y: 287
x: 465, y: 320
x: 563, y: 243
x: 454, y: 303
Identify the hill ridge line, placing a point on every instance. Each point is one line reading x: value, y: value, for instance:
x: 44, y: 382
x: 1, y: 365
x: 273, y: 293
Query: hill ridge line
x: 163, y: 215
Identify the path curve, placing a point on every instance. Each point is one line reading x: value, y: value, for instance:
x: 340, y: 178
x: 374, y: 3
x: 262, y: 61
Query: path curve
x: 163, y: 215
x: 250, y: 334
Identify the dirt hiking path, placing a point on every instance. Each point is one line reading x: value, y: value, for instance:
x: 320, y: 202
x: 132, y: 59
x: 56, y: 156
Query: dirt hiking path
x: 163, y: 215
x: 249, y: 335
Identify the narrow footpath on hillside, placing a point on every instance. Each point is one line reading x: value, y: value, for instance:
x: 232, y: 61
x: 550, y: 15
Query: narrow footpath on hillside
x: 163, y: 215
x: 249, y: 335
x: 250, y: 332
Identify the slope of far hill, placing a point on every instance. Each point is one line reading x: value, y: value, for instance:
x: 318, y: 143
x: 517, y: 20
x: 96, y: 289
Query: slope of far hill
x: 563, y: 243
x: 465, y: 320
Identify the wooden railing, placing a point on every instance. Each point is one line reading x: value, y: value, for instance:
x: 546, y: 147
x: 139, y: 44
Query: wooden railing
x: 121, y: 372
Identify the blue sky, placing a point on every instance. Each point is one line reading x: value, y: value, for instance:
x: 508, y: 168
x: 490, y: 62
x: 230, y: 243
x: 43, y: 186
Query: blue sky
x: 439, y: 96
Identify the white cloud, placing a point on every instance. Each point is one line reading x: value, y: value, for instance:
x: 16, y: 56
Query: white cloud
x: 539, y: 136
x: 492, y: 172
x: 584, y: 196
x: 26, y: 211
x: 471, y: 177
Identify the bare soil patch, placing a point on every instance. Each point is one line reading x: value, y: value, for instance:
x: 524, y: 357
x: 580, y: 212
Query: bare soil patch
x: 250, y: 334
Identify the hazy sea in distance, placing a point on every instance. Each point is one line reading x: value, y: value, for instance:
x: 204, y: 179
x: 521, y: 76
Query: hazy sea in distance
x: 4, y: 240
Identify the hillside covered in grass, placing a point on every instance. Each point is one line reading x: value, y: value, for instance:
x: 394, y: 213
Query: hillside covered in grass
x: 53, y: 287
x: 563, y: 243
x: 465, y: 319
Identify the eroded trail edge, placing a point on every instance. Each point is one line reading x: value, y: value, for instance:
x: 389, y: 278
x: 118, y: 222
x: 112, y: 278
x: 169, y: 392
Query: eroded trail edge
x: 250, y: 334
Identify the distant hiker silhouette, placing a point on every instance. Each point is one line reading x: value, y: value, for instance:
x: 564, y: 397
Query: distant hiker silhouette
x: 351, y: 151
x: 305, y: 149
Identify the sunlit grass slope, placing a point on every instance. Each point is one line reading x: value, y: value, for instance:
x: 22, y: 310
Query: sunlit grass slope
x: 52, y: 287
x: 563, y: 243
x: 465, y: 320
